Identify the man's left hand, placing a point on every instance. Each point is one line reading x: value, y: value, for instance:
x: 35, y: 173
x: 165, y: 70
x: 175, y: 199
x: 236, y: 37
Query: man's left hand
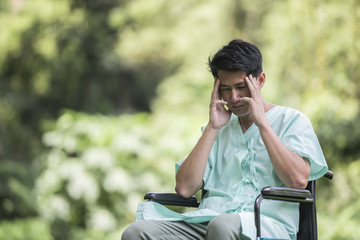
x: 255, y: 102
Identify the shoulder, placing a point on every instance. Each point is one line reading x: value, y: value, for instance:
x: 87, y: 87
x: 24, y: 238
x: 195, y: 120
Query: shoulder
x: 286, y: 120
x: 288, y: 114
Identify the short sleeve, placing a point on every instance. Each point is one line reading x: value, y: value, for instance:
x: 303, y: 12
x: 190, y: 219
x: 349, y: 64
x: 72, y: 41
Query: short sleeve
x: 209, y: 164
x: 177, y: 165
x: 300, y: 138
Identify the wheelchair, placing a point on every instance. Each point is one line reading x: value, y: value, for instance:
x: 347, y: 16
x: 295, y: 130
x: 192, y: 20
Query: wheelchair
x: 306, y: 199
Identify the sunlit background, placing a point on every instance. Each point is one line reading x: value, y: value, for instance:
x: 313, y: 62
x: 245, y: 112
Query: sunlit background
x: 100, y: 98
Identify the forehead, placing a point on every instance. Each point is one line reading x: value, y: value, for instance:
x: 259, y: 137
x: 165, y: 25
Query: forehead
x: 230, y: 78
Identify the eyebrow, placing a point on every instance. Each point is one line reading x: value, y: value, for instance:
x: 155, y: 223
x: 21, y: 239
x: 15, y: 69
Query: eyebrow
x: 240, y: 84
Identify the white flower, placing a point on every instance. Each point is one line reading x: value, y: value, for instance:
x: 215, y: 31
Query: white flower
x: 102, y: 220
x: 98, y: 158
x: 84, y: 186
x: 56, y: 207
x: 117, y: 180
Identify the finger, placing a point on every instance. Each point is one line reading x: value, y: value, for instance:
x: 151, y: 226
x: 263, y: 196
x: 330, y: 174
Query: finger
x: 247, y: 100
x: 219, y: 101
x: 255, y: 82
x: 216, y: 104
x: 220, y: 105
x: 215, y: 92
x: 252, y: 85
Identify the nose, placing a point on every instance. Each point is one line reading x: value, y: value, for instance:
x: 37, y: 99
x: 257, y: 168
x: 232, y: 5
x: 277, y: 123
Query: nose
x: 234, y: 95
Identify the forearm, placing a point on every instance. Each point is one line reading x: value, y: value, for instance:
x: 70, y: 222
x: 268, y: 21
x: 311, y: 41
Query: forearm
x: 290, y: 167
x: 189, y: 177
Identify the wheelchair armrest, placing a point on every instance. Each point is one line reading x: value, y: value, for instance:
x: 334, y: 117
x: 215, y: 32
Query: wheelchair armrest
x: 282, y: 194
x: 171, y: 199
x: 287, y: 194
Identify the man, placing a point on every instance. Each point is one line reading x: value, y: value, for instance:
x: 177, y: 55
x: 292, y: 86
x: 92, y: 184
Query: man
x: 248, y: 143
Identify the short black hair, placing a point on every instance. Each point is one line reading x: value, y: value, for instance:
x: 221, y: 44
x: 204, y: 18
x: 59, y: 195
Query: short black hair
x: 238, y: 55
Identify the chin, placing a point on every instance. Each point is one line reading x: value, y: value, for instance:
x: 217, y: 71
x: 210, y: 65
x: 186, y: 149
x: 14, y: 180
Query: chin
x: 241, y: 114
x: 242, y: 111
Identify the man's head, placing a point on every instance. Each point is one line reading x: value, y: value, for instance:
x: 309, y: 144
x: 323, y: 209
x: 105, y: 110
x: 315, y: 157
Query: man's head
x: 238, y: 55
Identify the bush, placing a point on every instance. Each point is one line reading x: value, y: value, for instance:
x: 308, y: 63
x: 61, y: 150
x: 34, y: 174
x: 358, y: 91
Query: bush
x: 29, y: 229
x: 97, y: 170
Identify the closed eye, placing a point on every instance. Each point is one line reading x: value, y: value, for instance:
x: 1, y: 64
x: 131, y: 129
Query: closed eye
x: 224, y: 88
x: 228, y: 88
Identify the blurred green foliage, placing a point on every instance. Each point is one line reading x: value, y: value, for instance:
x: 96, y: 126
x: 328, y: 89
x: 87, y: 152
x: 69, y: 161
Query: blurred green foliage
x: 99, y: 99
x: 95, y: 174
x: 30, y: 229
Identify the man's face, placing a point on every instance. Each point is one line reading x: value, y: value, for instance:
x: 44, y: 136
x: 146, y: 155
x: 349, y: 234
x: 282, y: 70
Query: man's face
x: 232, y: 89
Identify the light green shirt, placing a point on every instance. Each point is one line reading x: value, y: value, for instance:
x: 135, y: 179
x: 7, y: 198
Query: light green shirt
x: 239, y: 167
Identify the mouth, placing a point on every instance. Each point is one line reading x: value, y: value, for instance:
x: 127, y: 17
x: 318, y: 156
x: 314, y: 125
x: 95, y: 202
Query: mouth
x: 238, y: 106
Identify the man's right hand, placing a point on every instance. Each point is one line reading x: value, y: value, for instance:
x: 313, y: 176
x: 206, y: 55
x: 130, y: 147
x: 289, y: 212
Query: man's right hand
x: 189, y: 177
x: 219, y: 115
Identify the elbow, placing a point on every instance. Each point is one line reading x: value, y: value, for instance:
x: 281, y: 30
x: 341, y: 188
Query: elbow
x: 300, y: 180
x: 185, y: 190
x: 300, y: 183
x: 182, y: 191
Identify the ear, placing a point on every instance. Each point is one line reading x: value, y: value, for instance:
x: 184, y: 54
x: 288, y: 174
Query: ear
x: 261, y: 78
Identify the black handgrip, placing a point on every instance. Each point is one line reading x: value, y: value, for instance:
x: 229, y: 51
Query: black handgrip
x: 329, y: 174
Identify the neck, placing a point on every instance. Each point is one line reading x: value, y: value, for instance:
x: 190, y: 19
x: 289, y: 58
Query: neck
x: 245, y: 122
